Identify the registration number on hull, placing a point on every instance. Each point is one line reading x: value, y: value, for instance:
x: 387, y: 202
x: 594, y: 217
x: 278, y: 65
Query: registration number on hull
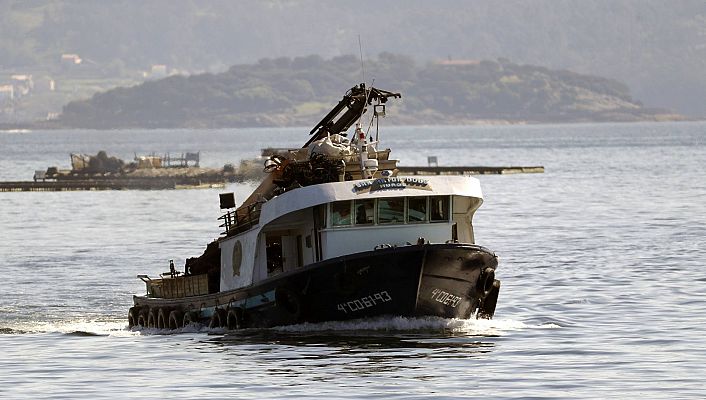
x: 364, y: 302
x: 445, y: 298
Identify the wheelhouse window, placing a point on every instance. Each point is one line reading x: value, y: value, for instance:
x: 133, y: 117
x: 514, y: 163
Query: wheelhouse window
x: 391, y: 210
x: 417, y: 209
x: 439, y: 208
x: 364, y: 212
x: 341, y: 213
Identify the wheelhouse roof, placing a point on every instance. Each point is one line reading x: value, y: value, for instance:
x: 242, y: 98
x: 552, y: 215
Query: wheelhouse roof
x: 409, y: 186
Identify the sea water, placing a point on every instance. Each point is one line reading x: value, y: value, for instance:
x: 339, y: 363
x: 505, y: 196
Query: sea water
x: 602, y: 262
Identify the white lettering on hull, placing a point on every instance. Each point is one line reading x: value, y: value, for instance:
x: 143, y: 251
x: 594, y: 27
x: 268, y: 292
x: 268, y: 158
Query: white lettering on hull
x: 445, y: 298
x: 364, y: 302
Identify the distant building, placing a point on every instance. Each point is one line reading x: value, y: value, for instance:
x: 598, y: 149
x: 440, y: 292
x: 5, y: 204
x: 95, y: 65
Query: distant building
x: 7, y: 92
x: 71, y: 59
x: 458, y: 62
x: 158, y: 71
x: 24, y: 79
x: 23, y: 84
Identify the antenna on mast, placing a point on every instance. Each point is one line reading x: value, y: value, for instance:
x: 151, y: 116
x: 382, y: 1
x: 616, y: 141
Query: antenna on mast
x: 362, y: 65
x: 367, y: 90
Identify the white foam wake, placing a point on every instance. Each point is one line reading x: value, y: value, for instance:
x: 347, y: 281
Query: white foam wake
x: 118, y: 328
x: 78, y: 327
x: 481, y: 327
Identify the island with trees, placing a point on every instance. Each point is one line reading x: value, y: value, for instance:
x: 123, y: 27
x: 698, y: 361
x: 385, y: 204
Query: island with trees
x: 294, y: 91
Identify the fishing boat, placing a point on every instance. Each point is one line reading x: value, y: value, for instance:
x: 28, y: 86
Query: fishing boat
x: 333, y: 233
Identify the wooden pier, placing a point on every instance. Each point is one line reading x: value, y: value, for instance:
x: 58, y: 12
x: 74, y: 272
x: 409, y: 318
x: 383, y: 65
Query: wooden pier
x: 105, y: 184
x: 476, y: 170
x: 163, y: 183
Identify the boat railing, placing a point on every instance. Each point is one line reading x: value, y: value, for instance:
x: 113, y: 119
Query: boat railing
x: 176, y: 286
x: 240, y: 220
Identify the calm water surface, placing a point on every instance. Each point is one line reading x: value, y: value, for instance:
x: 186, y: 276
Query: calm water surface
x: 602, y: 263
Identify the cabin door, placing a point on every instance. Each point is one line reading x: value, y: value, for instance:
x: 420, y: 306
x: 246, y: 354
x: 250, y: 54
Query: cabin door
x: 275, y: 260
x: 319, y: 224
x: 290, y: 258
x: 284, y: 252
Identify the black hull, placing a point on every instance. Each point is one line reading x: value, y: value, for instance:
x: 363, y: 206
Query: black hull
x: 444, y: 280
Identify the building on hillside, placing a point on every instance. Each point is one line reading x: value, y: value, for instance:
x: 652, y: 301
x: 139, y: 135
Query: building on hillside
x: 7, y: 92
x: 157, y: 71
x: 451, y: 62
x: 70, y: 59
x: 23, y: 84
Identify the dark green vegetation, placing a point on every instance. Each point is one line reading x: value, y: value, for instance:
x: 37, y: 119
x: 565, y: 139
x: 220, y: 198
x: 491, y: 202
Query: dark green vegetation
x: 286, y: 92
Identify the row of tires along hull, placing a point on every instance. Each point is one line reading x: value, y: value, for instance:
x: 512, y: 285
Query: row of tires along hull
x: 168, y: 318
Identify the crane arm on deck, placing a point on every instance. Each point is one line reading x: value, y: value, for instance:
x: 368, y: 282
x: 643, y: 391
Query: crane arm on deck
x: 354, y: 103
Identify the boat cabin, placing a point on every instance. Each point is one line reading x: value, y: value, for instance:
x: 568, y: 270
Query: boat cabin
x: 319, y: 222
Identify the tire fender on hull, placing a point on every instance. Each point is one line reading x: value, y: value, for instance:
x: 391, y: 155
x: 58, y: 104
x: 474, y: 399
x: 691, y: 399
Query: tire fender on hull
x: 163, y: 318
x: 218, y: 319
x: 235, y: 318
x: 142, y: 317
x: 485, y: 282
x: 176, y: 319
x: 152, y: 318
x: 191, y: 317
x: 486, y: 309
x: 132, y: 316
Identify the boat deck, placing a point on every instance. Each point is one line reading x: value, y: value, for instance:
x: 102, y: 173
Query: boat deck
x: 473, y: 170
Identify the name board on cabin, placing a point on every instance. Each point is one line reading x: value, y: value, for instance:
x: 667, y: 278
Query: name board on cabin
x: 390, y: 184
